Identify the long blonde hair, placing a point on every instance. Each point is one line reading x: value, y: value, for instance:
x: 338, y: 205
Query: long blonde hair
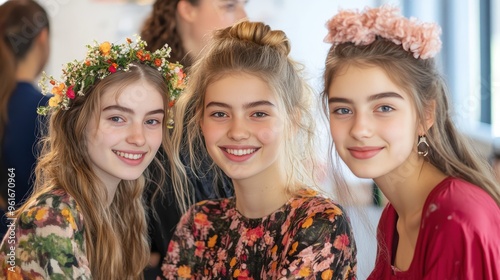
x: 251, y: 48
x: 450, y: 151
x: 116, y: 235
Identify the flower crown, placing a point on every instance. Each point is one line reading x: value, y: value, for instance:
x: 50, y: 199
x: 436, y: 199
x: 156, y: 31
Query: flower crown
x: 422, y: 39
x: 103, y: 60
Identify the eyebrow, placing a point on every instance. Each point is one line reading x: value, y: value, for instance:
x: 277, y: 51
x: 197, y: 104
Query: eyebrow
x: 377, y: 96
x: 130, y: 111
x: 245, y: 106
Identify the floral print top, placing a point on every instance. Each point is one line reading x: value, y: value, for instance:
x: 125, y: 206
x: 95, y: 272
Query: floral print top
x: 309, y: 237
x: 46, y: 241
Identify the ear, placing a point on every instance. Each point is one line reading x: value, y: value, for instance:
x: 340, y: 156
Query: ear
x: 43, y: 37
x: 430, y: 117
x: 186, y: 11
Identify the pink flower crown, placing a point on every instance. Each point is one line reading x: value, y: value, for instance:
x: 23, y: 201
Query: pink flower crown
x: 362, y: 28
x: 103, y: 60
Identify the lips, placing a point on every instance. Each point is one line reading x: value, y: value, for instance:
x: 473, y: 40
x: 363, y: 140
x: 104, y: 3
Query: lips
x: 364, y: 152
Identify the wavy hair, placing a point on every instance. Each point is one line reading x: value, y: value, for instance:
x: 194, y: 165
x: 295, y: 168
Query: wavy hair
x: 251, y: 48
x: 116, y: 233
x: 161, y: 28
x: 21, y: 21
x: 451, y: 152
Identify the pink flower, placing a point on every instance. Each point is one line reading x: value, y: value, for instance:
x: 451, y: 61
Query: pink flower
x: 112, y: 67
x: 362, y: 28
x: 70, y: 93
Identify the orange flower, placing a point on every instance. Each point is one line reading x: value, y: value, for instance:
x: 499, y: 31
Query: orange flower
x: 105, y: 47
x: 335, y: 211
x: 58, y: 90
x: 184, y: 271
x: 236, y: 273
x: 327, y: 274
x: 307, y: 223
x: 171, y: 103
x: 87, y: 62
x: 201, y: 219
x: 40, y: 214
x: 211, y: 241
x: 52, y: 82
x: 14, y: 274
x: 129, y: 41
x: 157, y: 62
x: 233, y: 262
x: 69, y: 217
x: 139, y: 55
x: 294, y: 248
x: 147, y: 57
x: 305, y: 271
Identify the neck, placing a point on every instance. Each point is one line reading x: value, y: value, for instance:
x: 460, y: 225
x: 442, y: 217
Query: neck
x: 257, y: 198
x: 408, y: 187
x: 28, y: 68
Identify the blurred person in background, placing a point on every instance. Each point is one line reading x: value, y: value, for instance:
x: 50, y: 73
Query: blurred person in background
x: 24, y: 51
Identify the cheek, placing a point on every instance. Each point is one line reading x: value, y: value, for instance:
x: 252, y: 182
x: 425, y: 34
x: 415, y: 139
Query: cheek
x: 269, y: 135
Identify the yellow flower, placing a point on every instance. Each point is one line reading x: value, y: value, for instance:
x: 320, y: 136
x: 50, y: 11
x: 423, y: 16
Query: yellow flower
x: 236, y: 273
x: 55, y: 100
x: 40, y: 214
x: 105, y: 47
x: 307, y: 223
x: 305, y: 271
x: 184, y: 271
x: 211, y: 241
x: 233, y: 262
x: 67, y: 214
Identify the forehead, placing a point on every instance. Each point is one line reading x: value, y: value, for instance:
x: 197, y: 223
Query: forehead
x: 135, y: 94
x: 239, y: 87
x: 363, y: 79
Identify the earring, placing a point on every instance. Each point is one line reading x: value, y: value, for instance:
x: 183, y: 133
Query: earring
x: 422, y: 146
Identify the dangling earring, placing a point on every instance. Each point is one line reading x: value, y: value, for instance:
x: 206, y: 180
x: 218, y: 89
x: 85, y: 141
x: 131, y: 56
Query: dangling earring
x: 422, y: 146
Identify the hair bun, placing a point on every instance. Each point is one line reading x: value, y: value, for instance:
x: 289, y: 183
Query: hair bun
x: 260, y: 34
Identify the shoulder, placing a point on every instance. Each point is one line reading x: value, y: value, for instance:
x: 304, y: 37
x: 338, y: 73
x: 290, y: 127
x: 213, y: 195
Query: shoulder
x: 29, y: 95
x: 456, y: 202
x: 321, y: 213
x: 56, y: 212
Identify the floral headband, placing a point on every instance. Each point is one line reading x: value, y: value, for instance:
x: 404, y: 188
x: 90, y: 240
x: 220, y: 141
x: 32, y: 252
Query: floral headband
x: 103, y: 60
x: 362, y: 28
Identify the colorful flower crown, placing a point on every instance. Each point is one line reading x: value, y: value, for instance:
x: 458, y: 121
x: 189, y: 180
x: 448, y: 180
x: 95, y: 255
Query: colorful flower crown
x: 422, y: 39
x: 103, y: 60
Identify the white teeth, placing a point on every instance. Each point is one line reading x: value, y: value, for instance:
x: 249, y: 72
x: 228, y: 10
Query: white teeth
x: 240, y: 152
x: 129, y: 156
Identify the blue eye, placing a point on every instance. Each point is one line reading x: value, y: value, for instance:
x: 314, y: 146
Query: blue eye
x: 259, y: 114
x: 385, y: 109
x: 342, y: 111
x: 152, y: 122
x: 218, y: 114
x: 116, y: 119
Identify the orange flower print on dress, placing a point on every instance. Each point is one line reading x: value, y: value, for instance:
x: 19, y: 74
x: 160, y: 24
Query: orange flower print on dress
x: 295, y: 241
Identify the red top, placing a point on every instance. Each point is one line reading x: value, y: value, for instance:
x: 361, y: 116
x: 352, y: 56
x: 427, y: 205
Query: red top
x: 459, y: 236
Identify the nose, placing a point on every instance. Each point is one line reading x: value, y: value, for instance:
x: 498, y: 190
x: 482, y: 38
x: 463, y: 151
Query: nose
x: 362, y: 127
x: 136, y: 134
x: 238, y: 130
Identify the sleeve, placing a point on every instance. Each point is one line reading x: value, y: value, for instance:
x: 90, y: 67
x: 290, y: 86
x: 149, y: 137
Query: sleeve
x: 323, y: 248
x: 178, y: 263
x: 458, y: 251
x: 45, y: 243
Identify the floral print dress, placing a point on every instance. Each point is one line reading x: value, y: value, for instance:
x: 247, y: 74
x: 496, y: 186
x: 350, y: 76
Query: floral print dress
x: 309, y: 237
x: 46, y: 241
